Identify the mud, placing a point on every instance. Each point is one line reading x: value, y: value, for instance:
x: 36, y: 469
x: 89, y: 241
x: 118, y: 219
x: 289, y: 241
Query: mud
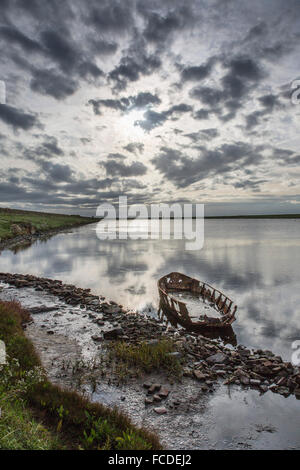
x: 198, y: 417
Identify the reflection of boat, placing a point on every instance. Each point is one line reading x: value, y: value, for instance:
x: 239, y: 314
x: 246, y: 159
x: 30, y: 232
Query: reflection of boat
x: 176, y: 283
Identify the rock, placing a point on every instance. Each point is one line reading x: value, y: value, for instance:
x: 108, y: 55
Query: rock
x: 283, y: 391
x: 113, y: 333
x: 111, y: 309
x: 154, y: 388
x: 50, y: 332
x: 218, y: 358
x: 96, y: 338
x: 148, y: 401
x: 147, y: 385
x: 161, y: 410
x: 199, y: 375
x: 244, y: 380
x: 297, y: 393
x: 220, y: 373
x: 255, y: 382
x: 157, y: 397
x: 164, y: 392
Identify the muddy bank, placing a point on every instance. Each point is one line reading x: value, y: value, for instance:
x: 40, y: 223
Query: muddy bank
x: 31, y: 235
x: 69, y: 330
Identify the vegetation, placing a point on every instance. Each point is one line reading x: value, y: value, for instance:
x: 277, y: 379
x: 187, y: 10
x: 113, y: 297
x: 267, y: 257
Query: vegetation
x: 40, y: 221
x: 144, y: 357
x: 38, y: 414
x: 260, y: 216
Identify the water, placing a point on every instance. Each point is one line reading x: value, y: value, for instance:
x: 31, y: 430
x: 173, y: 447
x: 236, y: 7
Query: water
x: 255, y: 262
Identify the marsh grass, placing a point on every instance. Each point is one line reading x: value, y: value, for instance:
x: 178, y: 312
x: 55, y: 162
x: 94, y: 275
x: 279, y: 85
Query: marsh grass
x: 43, y: 222
x: 137, y: 359
x: 50, y: 416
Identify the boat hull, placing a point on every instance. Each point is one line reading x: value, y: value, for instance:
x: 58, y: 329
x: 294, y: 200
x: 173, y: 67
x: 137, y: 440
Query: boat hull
x: 182, y: 283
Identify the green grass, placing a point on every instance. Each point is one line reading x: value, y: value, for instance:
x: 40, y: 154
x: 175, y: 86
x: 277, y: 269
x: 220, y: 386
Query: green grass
x: 38, y: 414
x: 42, y: 222
x: 144, y: 358
x: 19, y: 430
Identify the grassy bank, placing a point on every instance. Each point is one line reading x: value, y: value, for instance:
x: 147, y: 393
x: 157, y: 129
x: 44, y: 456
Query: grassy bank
x: 39, y: 415
x: 13, y: 222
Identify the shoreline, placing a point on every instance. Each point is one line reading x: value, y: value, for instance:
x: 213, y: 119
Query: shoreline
x: 30, y: 238
x: 77, y: 335
x: 258, y: 369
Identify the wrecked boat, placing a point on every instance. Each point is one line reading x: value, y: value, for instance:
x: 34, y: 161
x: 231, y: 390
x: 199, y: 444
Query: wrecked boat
x: 175, y: 287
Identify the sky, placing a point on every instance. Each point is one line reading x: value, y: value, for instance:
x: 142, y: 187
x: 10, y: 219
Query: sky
x: 161, y: 101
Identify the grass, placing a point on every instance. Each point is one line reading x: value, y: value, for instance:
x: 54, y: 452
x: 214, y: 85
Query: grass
x: 42, y: 222
x: 144, y: 358
x: 38, y: 414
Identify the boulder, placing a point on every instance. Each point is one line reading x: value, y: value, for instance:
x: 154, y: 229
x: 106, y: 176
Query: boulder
x: 114, y: 333
x: 218, y: 358
x: 161, y: 410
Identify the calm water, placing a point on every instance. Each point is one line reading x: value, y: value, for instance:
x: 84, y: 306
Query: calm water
x: 255, y: 262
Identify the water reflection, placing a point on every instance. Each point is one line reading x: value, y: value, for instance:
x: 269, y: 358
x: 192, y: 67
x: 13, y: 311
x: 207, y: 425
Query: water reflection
x: 254, y: 262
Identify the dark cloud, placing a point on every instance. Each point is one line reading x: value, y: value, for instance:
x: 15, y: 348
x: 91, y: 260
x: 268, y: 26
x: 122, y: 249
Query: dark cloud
x: 17, y: 118
x: 179, y: 109
x: 14, y: 36
x: 202, y: 114
x: 118, y: 168
x: 49, y: 82
x: 196, y: 73
x: 102, y: 46
x: 56, y: 171
x: 142, y: 99
x: 269, y: 104
x: 151, y: 120
x: 159, y: 26
x: 60, y: 50
x: 135, y: 147
x: 203, y: 135
x: 111, y: 15
x: 132, y: 69
x: 184, y: 171
x: 228, y: 97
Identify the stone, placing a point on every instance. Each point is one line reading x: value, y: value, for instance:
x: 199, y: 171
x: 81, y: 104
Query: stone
x: 148, y: 401
x: 113, y: 333
x: 218, y: 358
x: 157, y: 397
x: 96, y: 338
x: 164, y: 392
x: 154, y: 388
x: 244, y: 380
x: 161, y: 410
x: 255, y: 382
x: 199, y: 375
x: 147, y: 385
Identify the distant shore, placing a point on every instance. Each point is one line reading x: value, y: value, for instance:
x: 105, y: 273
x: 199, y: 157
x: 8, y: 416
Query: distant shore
x: 19, y: 227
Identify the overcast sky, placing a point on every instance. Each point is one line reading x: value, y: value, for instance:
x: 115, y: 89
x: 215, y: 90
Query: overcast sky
x: 162, y: 101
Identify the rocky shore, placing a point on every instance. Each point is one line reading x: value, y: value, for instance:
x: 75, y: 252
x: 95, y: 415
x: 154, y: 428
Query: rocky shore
x: 205, y: 361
